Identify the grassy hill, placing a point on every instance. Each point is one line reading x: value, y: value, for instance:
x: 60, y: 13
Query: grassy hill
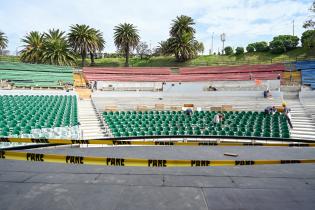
x: 202, y: 60
x: 208, y: 60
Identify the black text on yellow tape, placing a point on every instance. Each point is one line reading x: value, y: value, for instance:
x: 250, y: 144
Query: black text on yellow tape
x: 152, y: 143
x: 133, y: 162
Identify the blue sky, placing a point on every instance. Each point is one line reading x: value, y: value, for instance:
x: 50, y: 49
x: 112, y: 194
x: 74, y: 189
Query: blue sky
x: 243, y: 21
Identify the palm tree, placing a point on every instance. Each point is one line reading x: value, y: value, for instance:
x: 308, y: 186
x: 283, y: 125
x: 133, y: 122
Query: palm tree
x: 3, y: 41
x: 182, y: 42
x: 182, y: 24
x: 82, y: 39
x: 33, y: 47
x: 183, y: 47
x: 126, y: 38
x: 99, y: 46
x: 56, y: 50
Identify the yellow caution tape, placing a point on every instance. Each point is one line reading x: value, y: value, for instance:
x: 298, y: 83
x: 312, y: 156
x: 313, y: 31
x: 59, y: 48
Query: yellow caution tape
x: 107, y: 161
x: 151, y: 143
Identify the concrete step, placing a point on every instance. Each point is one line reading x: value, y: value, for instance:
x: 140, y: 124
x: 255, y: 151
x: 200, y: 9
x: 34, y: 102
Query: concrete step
x: 90, y: 119
x: 310, y: 122
x: 302, y: 125
x: 89, y: 126
x: 304, y: 129
x: 307, y: 137
x: 303, y: 132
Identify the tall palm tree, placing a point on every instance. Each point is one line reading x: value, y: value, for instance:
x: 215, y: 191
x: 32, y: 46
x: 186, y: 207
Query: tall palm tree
x: 182, y: 24
x: 56, y: 50
x: 33, y: 47
x: 183, y: 47
x: 99, y: 45
x: 126, y: 38
x: 82, y: 39
x: 3, y: 41
x: 182, y: 42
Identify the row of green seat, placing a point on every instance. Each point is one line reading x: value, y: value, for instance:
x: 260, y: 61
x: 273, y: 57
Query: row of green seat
x: 199, y: 123
x: 35, y: 75
x: 20, y: 114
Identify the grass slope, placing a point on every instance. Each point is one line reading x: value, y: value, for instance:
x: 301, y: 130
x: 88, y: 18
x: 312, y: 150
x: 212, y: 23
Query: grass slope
x: 208, y: 60
x: 202, y: 60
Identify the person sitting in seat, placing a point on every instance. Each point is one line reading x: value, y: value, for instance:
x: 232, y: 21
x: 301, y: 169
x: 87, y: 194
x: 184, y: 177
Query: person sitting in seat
x: 270, y: 110
x: 188, y: 112
x: 267, y: 94
x: 218, y: 118
x: 212, y: 88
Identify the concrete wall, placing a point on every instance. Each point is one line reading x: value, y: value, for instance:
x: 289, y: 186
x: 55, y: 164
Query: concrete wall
x: 110, y: 85
x: 220, y: 85
x: 130, y: 100
x: 190, y: 87
x: 307, y: 95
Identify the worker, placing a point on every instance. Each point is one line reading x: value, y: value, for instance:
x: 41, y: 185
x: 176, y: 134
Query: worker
x: 267, y: 94
x: 218, y: 118
x: 270, y: 110
x: 188, y: 112
x: 287, y: 113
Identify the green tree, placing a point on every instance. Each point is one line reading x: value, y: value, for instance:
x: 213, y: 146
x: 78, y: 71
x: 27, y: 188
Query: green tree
x: 310, y: 24
x: 277, y: 47
x: 98, y: 46
x: 182, y: 24
x: 82, y: 39
x: 182, y: 42
x: 56, y: 50
x: 33, y: 47
x: 143, y: 50
x: 126, y: 38
x: 228, y: 50
x: 163, y: 48
x: 3, y: 41
x: 288, y: 42
x: 250, y: 48
x: 239, y: 51
x: 183, y: 47
x: 308, y: 39
x: 200, y: 48
x: 261, y: 46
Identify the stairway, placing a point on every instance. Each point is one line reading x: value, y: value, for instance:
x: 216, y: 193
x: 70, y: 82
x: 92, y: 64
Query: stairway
x: 84, y: 93
x: 91, y: 125
x: 304, y: 126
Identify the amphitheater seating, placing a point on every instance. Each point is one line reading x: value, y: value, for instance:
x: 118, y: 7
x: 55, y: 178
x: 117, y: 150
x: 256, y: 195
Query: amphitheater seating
x: 165, y: 123
x: 35, y: 75
x: 233, y: 69
x: 289, y: 77
x: 132, y: 70
x: 186, y: 74
x: 21, y: 115
x: 307, y: 71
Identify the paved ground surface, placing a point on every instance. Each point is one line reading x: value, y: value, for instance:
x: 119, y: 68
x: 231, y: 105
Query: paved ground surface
x: 25, y: 185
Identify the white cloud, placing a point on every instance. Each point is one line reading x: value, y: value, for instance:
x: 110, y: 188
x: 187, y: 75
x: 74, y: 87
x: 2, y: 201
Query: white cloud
x: 243, y: 21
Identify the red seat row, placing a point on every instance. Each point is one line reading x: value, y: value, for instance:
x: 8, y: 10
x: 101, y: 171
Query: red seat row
x: 186, y: 74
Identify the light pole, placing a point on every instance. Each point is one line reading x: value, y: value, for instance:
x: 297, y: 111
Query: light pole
x: 222, y: 36
x: 293, y: 26
x: 212, y: 43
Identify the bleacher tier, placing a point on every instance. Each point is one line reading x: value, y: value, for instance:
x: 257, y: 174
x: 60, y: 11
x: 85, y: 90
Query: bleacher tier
x: 307, y: 71
x: 36, y: 75
x: 165, y: 123
x: 185, y: 74
x: 28, y: 115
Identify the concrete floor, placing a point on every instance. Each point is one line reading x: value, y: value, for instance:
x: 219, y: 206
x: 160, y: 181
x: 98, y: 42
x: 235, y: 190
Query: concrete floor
x: 26, y: 185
